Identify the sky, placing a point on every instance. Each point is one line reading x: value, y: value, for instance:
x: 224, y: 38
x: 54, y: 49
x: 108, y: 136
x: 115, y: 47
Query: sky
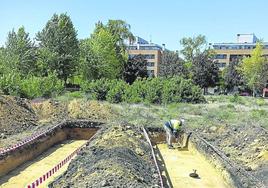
x: 165, y: 21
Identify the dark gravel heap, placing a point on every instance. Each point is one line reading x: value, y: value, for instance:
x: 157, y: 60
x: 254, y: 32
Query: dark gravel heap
x: 118, y: 157
x: 16, y: 115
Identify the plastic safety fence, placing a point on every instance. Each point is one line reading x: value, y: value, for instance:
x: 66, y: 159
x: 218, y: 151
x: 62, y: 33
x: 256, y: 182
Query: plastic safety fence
x: 52, y: 171
x: 49, y: 173
x: 27, y: 140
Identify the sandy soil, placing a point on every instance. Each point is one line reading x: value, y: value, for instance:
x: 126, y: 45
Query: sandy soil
x: 180, y: 164
x: 32, y: 170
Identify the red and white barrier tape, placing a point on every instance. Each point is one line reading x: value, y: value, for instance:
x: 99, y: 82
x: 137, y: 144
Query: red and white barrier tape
x: 45, y: 176
x: 27, y: 140
x: 52, y: 171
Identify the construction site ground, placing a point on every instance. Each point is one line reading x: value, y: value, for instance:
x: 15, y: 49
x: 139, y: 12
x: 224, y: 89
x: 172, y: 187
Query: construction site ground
x: 239, y: 130
x: 179, y: 163
x: 32, y: 170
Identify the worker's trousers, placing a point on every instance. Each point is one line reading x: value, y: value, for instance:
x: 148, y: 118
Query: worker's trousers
x: 168, y: 134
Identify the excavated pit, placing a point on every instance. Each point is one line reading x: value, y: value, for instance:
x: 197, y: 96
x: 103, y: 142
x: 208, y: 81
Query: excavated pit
x: 59, y: 136
x: 97, y: 160
x: 213, y: 167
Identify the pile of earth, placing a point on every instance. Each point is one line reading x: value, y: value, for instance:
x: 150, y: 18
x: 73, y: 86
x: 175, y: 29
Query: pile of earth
x: 16, y: 115
x: 245, y: 145
x: 51, y: 111
x: 19, y: 118
x: 119, y: 156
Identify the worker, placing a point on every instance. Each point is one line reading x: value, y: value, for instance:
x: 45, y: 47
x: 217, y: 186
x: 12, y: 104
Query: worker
x: 172, y: 129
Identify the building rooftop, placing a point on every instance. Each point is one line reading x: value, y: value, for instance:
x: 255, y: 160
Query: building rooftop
x: 244, y: 41
x: 142, y: 44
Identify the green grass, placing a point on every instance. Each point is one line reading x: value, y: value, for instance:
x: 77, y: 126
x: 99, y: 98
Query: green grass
x: 228, y: 110
x: 68, y: 96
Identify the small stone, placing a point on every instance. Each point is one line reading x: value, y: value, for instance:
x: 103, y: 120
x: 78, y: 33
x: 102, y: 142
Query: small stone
x: 248, y: 168
x: 213, y: 128
x: 104, y: 183
x: 227, y: 154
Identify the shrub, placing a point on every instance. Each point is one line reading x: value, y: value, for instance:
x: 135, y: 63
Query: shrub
x: 236, y: 99
x: 116, y: 92
x: 258, y: 114
x: 33, y: 86
x: 152, y: 90
x: 97, y: 89
x: 260, y: 102
x: 135, y: 93
x: 10, y: 83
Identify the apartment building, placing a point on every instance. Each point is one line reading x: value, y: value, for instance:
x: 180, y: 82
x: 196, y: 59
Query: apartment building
x: 230, y: 52
x: 151, y: 52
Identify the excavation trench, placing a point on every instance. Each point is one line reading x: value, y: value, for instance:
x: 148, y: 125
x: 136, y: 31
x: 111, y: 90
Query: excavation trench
x: 24, y: 165
x: 214, y: 169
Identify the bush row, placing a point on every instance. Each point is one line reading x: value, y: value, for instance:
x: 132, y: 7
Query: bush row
x: 152, y: 90
x: 30, y: 87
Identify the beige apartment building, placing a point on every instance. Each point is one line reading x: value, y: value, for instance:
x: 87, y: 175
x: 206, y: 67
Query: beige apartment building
x: 151, y: 52
x: 230, y: 52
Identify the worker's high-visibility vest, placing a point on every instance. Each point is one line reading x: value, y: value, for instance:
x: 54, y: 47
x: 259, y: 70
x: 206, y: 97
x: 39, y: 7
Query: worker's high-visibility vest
x: 175, y: 124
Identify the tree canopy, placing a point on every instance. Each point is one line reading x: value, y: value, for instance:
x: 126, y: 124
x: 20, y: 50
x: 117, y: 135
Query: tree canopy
x: 255, y: 69
x: 59, y: 39
x: 135, y: 68
x: 193, y: 47
x: 171, y: 65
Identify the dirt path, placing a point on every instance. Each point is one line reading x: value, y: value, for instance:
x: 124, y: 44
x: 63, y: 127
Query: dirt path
x: 32, y: 170
x: 180, y: 164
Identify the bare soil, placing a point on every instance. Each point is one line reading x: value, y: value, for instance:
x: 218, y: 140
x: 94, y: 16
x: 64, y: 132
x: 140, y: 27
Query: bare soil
x: 19, y: 118
x: 120, y: 156
x: 246, y: 145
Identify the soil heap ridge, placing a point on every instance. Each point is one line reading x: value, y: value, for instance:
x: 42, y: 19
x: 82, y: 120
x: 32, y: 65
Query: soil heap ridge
x: 119, y: 156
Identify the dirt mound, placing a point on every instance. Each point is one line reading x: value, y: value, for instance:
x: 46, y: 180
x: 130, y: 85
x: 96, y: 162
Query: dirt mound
x: 118, y: 157
x: 85, y: 109
x: 49, y: 111
x: 16, y: 115
x: 246, y: 145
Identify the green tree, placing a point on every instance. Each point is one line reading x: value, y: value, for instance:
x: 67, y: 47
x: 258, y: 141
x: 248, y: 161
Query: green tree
x: 20, y: 52
x: 59, y: 39
x: 205, y: 71
x: 99, y: 57
x: 193, y: 47
x: 135, y: 67
x: 171, y: 65
x: 232, y: 76
x: 120, y: 31
x: 255, y: 70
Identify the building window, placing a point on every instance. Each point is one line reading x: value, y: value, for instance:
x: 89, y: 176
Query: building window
x: 150, y: 64
x: 221, y: 65
x: 221, y: 56
x: 149, y: 56
x: 150, y: 72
